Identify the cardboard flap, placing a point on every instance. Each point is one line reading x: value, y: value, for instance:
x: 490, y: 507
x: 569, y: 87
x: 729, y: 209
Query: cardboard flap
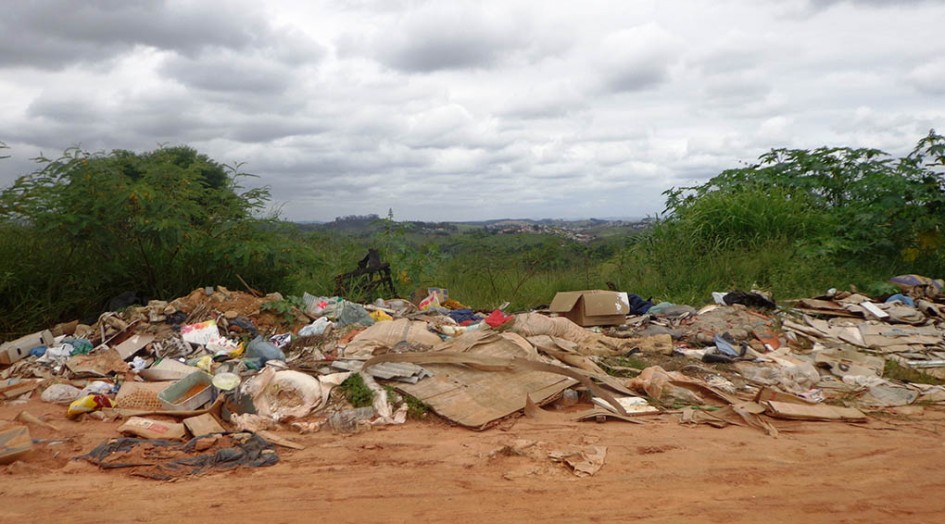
x: 598, y: 303
x: 565, y: 301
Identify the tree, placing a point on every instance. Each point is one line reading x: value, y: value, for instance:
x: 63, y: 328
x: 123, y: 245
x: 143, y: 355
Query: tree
x: 160, y: 223
x: 865, y: 201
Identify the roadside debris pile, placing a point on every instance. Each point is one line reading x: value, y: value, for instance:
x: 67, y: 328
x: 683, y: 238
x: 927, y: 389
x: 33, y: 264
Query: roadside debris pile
x: 215, y: 379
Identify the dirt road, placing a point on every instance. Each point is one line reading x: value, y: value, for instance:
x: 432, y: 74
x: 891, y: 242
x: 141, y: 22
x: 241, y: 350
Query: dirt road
x: 891, y: 469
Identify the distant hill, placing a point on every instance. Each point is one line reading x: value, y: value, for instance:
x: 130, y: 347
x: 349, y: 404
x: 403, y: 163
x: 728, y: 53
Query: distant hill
x: 581, y: 230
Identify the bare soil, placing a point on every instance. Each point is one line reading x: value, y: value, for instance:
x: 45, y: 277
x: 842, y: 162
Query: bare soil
x: 891, y: 469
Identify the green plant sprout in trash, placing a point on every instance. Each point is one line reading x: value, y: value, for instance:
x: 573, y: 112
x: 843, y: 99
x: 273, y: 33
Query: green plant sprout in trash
x: 357, y: 392
x: 288, y: 308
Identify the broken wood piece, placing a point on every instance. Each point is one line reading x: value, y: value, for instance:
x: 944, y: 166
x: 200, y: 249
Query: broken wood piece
x: 279, y: 441
x: 28, y: 418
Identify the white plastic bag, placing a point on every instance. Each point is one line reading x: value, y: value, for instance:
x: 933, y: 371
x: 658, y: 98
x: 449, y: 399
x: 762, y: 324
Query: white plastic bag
x: 315, y: 328
x: 60, y: 394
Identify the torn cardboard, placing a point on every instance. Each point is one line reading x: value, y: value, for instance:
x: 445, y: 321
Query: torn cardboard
x: 814, y: 412
x: 15, y: 442
x: 477, y: 397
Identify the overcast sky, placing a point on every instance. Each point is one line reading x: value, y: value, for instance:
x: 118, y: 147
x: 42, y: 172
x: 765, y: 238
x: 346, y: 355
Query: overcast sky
x: 453, y: 110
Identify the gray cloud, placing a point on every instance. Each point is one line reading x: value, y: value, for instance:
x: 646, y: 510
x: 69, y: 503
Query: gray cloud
x: 441, y: 36
x: 447, y: 110
x: 58, y: 33
x: 638, y: 58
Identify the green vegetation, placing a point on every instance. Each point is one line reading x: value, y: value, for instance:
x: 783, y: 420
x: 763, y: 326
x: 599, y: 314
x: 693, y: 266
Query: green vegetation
x: 288, y: 308
x: 894, y: 371
x: 356, y: 391
x: 86, y: 227
x: 798, y: 222
x: 416, y: 408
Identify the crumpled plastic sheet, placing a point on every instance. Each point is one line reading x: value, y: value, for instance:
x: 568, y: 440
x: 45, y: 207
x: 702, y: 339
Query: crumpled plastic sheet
x: 160, y: 459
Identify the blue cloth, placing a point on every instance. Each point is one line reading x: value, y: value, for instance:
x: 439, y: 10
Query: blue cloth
x: 638, y: 306
x: 725, y: 347
x: 901, y: 298
x: 462, y: 315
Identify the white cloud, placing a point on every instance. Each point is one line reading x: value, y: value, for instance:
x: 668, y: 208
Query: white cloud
x: 460, y: 110
x: 638, y: 58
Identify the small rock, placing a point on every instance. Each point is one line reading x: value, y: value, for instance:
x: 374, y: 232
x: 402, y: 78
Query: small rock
x: 76, y: 466
x: 231, y: 314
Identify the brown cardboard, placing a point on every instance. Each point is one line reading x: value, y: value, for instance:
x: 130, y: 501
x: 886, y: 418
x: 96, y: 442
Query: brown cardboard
x: 132, y: 345
x: 150, y: 428
x: 15, y: 442
x: 203, y: 425
x: 15, y: 350
x: 592, y: 307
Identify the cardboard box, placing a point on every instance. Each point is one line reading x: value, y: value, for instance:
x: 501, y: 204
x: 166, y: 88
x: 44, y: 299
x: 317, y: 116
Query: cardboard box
x: 15, y: 350
x: 592, y: 308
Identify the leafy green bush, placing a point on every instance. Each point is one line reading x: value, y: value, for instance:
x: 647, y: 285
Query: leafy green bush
x: 796, y: 223
x: 90, y: 226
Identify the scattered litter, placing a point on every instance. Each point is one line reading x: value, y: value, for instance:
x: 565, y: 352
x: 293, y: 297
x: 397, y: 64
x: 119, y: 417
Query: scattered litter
x: 584, y: 461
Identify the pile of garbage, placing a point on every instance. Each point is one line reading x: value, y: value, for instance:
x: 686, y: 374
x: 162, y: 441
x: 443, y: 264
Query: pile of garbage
x: 219, y: 372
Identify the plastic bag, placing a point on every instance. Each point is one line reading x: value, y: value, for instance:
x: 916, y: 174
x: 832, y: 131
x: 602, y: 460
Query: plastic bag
x: 224, y: 346
x: 262, y: 350
x: 88, y: 404
x: 431, y: 302
x: 792, y: 378
x: 352, y: 313
x: 97, y: 388
x: 315, y: 328
x: 323, y: 306
x: 380, y: 316
x: 200, y: 333
x: 60, y: 394
x: 497, y: 318
x: 282, y: 395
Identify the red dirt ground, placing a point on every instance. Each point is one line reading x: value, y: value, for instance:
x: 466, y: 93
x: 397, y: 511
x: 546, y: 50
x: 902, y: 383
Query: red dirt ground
x: 891, y: 469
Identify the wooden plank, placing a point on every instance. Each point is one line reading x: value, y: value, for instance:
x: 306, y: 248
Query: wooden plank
x: 279, y: 441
